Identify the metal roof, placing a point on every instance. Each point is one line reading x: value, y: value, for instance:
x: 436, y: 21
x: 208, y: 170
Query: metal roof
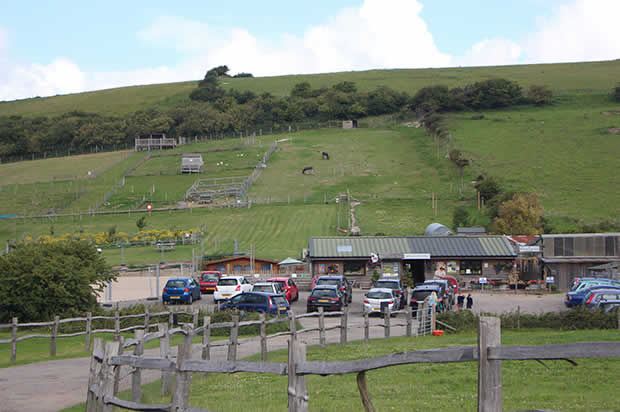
x: 436, y: 246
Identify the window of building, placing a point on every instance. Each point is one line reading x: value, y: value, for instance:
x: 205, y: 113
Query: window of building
x: 471, y: 267
x: 237, y: 268
x: 247, y: 268
x: 354, y: 268
x: 610, y: 246
x: 265, y: 267
x: 220, y: 268
x: 558, y: 246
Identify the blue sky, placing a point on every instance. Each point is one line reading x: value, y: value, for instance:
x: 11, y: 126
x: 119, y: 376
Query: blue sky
x: 66, y: 46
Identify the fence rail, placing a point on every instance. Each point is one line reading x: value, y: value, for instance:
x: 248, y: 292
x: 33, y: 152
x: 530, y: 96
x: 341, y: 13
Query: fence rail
x: 489, y: 353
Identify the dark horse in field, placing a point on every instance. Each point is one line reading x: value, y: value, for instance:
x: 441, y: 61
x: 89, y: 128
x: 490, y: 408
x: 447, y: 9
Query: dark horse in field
x: 325, y: 156
x: 308, y: 169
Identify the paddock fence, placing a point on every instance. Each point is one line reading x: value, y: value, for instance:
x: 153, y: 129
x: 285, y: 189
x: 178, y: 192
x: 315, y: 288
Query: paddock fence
x: 106, y: 361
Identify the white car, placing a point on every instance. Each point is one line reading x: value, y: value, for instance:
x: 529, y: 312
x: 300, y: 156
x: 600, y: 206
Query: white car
x: 268, y: 287
x: 376, y: 296
x: 229, y: 286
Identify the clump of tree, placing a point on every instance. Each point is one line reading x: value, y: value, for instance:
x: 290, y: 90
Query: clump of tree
x: 616, y: 93
x: 520, y: 215
x: 540, y: 94
x: 41, y: 280
x: 242, y: 74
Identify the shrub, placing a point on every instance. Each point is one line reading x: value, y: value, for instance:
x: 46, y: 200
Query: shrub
x: 617, y: 93
x: 540, y: 94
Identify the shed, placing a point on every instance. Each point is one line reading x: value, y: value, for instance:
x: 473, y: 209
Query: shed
x: 244, y: 265
x: 349, y: 124
x: 191, y: 163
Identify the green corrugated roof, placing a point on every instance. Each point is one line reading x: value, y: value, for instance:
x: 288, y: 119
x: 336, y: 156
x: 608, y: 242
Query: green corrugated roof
x: 436, y: 246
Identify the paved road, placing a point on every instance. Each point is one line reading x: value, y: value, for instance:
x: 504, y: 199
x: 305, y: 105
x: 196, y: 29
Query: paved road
x: 53, y: 385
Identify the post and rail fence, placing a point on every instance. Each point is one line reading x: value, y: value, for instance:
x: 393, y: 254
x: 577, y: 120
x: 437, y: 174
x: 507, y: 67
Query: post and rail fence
x: 106, y: 360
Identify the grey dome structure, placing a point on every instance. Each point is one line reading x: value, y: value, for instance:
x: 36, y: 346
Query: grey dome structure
x: 437, y: 229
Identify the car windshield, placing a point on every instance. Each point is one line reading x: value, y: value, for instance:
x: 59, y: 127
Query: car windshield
x: 281, y: 283
x: 334, y: 282
x: 210, y: 277
x: 278, y: 300
x: 175, y: 284
x: 421, y: 294
x: 379, y: 295
x: 323, y: 293
x: 386, y: 284
x: 227, y: 282
x: 262, y: 288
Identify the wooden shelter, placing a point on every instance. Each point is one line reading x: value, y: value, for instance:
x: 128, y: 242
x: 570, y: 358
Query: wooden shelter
x: 192, y: 163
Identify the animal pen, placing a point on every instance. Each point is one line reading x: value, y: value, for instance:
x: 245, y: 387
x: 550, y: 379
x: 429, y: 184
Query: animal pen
x: 155, y: 141
x: 222, y: 191
x: 192, y: 163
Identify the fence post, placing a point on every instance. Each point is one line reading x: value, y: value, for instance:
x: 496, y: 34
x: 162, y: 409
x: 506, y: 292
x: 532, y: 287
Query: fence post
x: 14, y: 340
x: 106, y: 386
x: 54, y: 334
x: 147, y: 319
x: 518, y: 318
x: 386, y: 321
x: 263, y: 337
x: 234, y: 333
x: 433, y: 317
x: 117, y: 372
x: 322, y: 327
x: 136, y: 377
x: 170, y: 319
x: 95, y: 367
x: 206, y: 338
x: 408, y: 318
x: 489, y: 371
x: 164, y: 352
x: 183, y: 380
x: 366, y: 325
x: 89, y: 328
x: 117, y: 325
x: 343, y: 326
x: 195, y: 318
x: 297, y: 390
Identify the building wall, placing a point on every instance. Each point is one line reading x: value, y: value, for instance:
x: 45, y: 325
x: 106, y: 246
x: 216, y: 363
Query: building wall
x: 244, y: 262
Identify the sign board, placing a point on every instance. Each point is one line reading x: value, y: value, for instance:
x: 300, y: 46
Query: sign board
x: 416, y: 256
x: 149, y: 206
x: 482, y: 280
x: 529, y: 249
x: 344, y: 248
x: 550, y: 279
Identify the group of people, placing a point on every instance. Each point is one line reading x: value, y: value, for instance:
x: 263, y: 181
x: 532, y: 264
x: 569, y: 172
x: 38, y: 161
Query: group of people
x: 460, y: 300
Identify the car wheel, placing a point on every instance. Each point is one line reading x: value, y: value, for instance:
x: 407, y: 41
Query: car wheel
x: 190, y: 300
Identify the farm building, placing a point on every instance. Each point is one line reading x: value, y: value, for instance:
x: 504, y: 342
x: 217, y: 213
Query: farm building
x: 154, y: 141
x: 191, y: 163
x: 244, y: 265
x: 349, y: 124
x: 465, y: 257
x: 568, y: 256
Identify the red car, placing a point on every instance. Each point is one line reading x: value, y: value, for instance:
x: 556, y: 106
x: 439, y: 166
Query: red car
x: 291, y: 293
x: 208, y: 280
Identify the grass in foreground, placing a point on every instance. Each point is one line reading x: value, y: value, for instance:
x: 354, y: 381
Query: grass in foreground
x: 592, y: 385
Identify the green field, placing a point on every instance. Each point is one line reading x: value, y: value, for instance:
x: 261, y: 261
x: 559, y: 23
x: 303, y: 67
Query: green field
x: 527, y: 385
x: 581, y: 78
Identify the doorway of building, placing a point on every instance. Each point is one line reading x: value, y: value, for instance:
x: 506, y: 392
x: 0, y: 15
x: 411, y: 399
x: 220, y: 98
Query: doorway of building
x: 416, y: 267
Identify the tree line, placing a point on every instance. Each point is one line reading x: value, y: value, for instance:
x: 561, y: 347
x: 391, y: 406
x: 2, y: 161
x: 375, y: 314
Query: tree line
x: 213, y: 110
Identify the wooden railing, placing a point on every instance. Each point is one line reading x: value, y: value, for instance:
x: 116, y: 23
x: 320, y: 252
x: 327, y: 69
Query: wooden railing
x: 489, y: 353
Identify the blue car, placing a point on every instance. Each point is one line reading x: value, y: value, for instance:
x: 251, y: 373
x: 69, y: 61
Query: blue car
x: 258, y: 302
x: 596, y: 297
x: 576, y: 298
x: 181, y: 290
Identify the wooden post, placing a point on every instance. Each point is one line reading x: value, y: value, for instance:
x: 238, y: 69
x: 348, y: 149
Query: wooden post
x: 343, y: 326
x: 183, y: 380
x: 136, y: 377
x: 361, y: 386
x: 170, y: 319
x: 117, y: 325
x: 89, y: 327
x: 106, y: 385
x: 14, y: 340
x: 297, y: 390
x: 206, y: 338
x: 322, y: 327
x: 234, y: 333
x: 366, y: 326
x: 518, y: 317
x: 93, y: 375
x: 489, y: 371
x: 147, y: 319
x: 263, y: 337
x: 54, y: 334
x: 408, y: 319
x: 164, y: 352
x: 195, y: 318
x: 433, y: 317
x: 386, y: 320
x: 117, y: 371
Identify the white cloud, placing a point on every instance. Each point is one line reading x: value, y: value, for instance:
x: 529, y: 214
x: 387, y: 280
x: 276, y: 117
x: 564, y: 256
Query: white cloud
x: 491, y: 52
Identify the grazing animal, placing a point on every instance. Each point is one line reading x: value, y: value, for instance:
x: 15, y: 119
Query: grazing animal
x: 325, y: 155
x: 308, y: 169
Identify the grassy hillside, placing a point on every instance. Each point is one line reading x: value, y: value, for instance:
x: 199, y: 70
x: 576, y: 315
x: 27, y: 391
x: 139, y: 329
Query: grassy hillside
x: 591, y: 77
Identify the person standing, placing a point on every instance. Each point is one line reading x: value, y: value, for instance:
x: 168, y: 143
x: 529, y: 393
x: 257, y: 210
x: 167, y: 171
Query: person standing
x: 470, y: 301
x: 460, y: 301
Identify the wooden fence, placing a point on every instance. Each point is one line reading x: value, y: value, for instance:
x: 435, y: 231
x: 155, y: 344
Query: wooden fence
x: 106, y: 362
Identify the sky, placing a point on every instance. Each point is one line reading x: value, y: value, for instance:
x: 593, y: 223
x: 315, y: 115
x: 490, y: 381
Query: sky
x: 50, y: 47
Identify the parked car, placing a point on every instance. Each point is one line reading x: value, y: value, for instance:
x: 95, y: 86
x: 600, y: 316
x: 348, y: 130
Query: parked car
x: 181, y: 290
x: 229, y: 286
x: 268, y: 287
x: 291, y: 292
x: 208, y: 280
x: 609, y: 306
x: 329, y: 297
x: 595, y: 297
x: 394, y: 283
x: 341, y: 282
x: 376, y: 297
x: 258, y: 302
x: 575, y: 298
x: 421, y: 292
x: 447, y: 294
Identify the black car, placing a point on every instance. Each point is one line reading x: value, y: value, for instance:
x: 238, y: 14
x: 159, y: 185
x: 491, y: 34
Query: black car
x: 421, y: 292
x: 341, y: 282
x: 397, y: 286
x: 329, y: 297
